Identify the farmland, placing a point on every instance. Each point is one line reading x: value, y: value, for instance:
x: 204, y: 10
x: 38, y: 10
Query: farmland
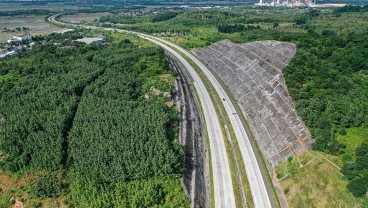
x: 20, y: 15
x: 36, y: 24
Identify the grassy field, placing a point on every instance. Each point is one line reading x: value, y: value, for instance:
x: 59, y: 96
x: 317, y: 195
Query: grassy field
x: 83, y: 17
x: 354, y: 137
x: 36, y: 24
x: 312, y: 181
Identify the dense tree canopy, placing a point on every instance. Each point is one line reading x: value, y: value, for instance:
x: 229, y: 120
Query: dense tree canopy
x: 357, y: 172
x: 164, y: 16
x: 79, y: 109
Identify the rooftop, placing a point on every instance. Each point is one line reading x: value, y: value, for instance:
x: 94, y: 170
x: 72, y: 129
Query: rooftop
x: 89, y: 40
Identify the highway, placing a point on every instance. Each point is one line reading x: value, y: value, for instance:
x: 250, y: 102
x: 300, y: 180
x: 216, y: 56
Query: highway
x: 223, y: 187
x: 260, y: 194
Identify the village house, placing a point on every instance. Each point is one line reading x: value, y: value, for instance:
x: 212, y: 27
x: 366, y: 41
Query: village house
x: 20, y: 38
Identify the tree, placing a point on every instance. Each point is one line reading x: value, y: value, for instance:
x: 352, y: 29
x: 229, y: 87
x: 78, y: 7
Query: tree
x: 313, y: 13
x: 301, y: 20
x: 357, y: 172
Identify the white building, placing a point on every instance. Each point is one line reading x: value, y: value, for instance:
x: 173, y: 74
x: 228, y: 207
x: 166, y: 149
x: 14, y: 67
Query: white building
x: 20, y: 38
x: 90, y: 40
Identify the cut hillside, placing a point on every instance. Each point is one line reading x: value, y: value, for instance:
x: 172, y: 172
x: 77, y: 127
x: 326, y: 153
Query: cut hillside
x: 253, y: 74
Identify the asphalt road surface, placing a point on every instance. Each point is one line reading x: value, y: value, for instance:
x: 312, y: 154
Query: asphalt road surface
x: 223, y: 187
x: 260, y: 194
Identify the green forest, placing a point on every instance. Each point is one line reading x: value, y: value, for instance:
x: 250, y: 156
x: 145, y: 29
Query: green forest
x: 327, y: 78
x: 75, y: 116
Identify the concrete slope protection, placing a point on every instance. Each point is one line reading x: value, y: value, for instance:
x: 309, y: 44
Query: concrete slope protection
x: 253, y: 73
x: 224, y: 195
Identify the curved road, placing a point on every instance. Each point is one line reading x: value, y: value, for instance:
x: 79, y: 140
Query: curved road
x: 224, y: 196
x: 261, y: 196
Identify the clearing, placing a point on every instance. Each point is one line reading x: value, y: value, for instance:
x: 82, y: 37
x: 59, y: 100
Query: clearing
x: 36, y: 24
x: 312, y: 181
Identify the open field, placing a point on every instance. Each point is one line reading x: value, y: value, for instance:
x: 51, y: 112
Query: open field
x: 317, y: 183
x: 52, y: 7
x: 83, y: 17
x: 36, y: 24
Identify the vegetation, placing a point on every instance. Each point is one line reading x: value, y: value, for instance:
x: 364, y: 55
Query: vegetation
x: 357, y: 172
x: 327, y: 78
x: 311, y: 181
x: 49, y: 185
x: 236, y: 28
x: 25, y: 12
x: 328, y: 86
x: 164, y: 16
x: 352, y: 8
x: 58, y: 107
x: 351, y: 138
x: 126, y: 20
x: 78, y: 111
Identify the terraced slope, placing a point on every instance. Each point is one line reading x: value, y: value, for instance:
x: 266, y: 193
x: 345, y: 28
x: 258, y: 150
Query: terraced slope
x: 253, y: 73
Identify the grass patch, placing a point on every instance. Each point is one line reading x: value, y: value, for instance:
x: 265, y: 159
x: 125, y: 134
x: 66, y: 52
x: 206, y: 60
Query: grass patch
x: 354, y: 137
x: 316, y: 184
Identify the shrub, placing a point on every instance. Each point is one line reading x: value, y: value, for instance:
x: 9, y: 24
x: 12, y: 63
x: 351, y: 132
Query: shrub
x: 47, y: 186
x: 342, y: 132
